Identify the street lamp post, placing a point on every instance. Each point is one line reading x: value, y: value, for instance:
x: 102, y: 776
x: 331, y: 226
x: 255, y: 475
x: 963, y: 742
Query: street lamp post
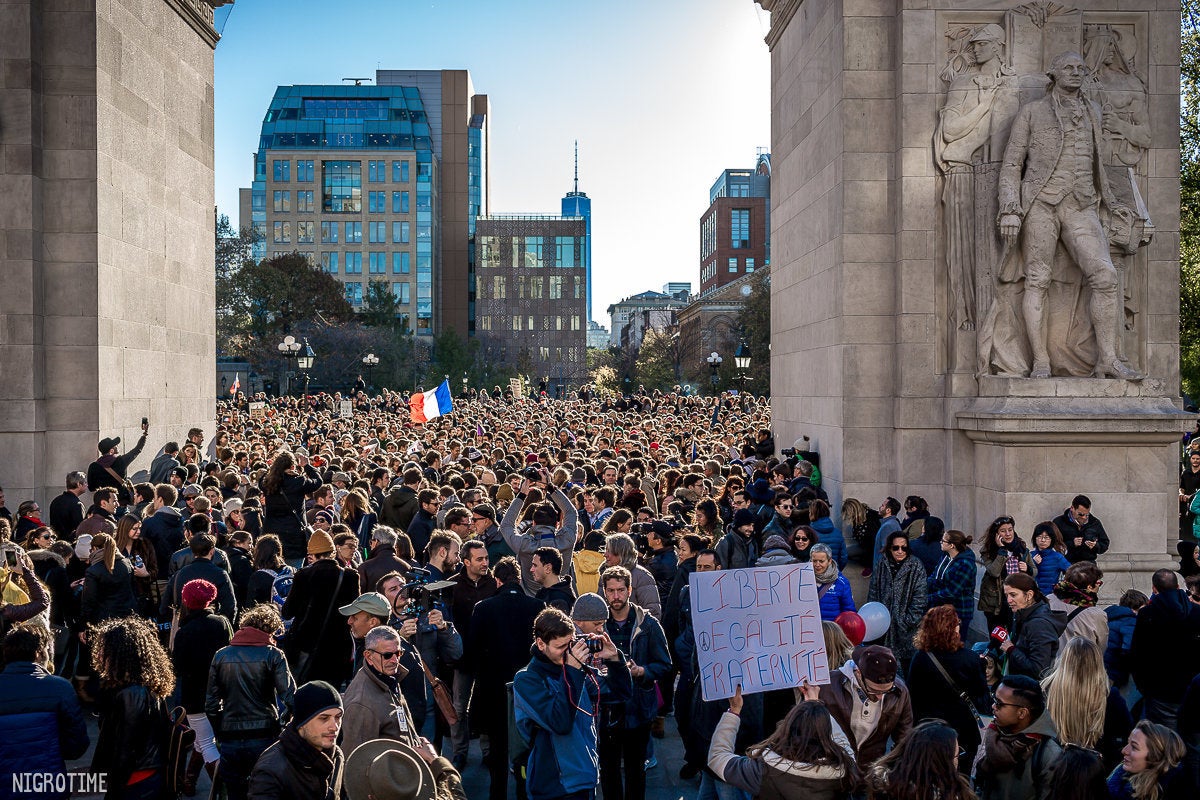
x: 714, y: 363
x: 465, y: 381
x: 370, y: 361
x: 289, y: 348
x: 741, y: 359
x: 305, y: 361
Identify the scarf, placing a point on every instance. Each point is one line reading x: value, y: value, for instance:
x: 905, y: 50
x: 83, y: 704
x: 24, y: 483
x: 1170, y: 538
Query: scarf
x: 252, y: 637
x: 303, y: 754
x: 830, y: 575
x: 1071, y: 594
x: 95, y: 557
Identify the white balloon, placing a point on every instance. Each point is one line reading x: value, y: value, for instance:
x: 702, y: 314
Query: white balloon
x: 877, y: 619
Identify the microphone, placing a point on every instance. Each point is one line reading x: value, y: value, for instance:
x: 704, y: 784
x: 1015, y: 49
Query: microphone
x: 999, y: 636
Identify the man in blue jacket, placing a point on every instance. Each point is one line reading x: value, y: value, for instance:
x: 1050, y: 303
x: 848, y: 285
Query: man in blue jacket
x: 41, y: 722
x: 554, y: 702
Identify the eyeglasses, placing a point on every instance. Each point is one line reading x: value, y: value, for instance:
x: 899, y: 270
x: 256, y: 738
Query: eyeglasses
x: 479, y: 519
x: 386, y: 656
x: 998, y: 703
x: 961, y: 753
x: 899, y: 548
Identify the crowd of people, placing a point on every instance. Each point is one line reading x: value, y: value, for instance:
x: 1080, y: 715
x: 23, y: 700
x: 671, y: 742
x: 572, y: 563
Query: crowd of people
x: 314, y: 604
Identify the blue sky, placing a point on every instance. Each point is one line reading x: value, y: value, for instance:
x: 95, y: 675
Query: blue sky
x: 661, y: 94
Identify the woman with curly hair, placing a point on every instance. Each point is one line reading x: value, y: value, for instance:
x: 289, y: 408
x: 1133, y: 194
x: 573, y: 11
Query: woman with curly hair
x: 807, y: 755
x: 922, y: 765
x: 1003, y: 554
x: 136, y: 674
x: 1148, y: 769
x: 946, y: 680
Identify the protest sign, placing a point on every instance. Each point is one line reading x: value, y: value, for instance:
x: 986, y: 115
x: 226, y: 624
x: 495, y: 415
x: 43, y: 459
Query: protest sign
x: 258, y: 409
x: 347, y: 409
x: 758, y: 627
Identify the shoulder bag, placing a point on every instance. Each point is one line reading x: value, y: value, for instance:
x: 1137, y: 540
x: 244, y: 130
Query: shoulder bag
x: 441, y: 694
x: 954, y: 687
x: 304, y: 657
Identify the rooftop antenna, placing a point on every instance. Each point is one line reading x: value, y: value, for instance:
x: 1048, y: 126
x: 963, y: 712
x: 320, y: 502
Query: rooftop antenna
x: 357, y: 81
x: 576, y: 166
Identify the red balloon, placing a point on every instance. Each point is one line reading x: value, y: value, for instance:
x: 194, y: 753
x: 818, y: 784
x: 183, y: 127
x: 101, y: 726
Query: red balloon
x: 852, y: 625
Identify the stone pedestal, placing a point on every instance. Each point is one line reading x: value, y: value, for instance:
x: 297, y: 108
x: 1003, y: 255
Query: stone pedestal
x: 895, y: 302
x: 106, y: 231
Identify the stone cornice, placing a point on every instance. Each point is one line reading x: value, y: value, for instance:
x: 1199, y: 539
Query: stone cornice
x: 199, y: 15
x: 782, y: 12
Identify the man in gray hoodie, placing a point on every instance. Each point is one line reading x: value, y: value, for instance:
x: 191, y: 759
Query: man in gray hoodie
x: 551, y: 527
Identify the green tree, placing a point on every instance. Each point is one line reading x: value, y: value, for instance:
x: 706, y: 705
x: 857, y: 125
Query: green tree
x: 657, y: 360
x: 754, y: 320
x: 452, y: 356
x: 1189, y: 196
x: 279, y: 293
x: 233, y: 251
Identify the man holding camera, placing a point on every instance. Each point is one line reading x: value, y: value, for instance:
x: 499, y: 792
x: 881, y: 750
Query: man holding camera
x: 554, y: 702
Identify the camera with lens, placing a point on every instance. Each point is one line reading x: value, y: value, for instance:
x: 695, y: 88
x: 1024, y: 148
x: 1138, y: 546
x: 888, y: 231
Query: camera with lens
x: 422, y: 592
x: 788, y: 452
x: 594, y: 643
x: 531, y: 474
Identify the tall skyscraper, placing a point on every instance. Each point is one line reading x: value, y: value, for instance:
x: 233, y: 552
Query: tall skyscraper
x: 735, y: 230
x: 418, y: 140
x: 578, y: 204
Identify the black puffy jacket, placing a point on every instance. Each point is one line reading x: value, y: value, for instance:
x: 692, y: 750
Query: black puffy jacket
x: 1035, y: 640
x: 134, y: 735
x: 108, y: 594
x: 201, y: 634
x: 244, y: 682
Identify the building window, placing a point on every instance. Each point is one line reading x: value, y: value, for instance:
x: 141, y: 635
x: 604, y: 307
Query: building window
x: 578, y: 287
x: 401, y: 232
x: 749, y: 265
x: 564, y: 251
x: 376, y: 171
x: 281, y: 171
x: 500, y: 289
x: 739, y: 224
x: 341, y: 187
x: 304, y: 171
x: 329, y: 232
x: 530, y: 321
x: 329, y: 262
x: 403, y: 292
x: 304, y: 201
x: 575, y: 322
x: 401, y: 263
x: 544, y: 352
x: 533, y: 251
x: 489, y: 252
x: 353, y: 233
x: 305, y: 232
x: 733, y: 265
x: 281, y: 202
x: 485, y: 323
x: 283, y: 233
x: 354, y: 263
x: 378, y: 263
x: 535, y: 287
x: 307, y: 256
x: 399, y: 172
x: 377, y: 232
x: 739, y: 189
x: 376, y: 202
x: 400, y: 203
x: 556, y: 287
x: 354, y: 293
x: 558, y: 323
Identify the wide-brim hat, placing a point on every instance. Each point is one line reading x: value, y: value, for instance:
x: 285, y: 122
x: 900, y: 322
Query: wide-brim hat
x: 385, y: 769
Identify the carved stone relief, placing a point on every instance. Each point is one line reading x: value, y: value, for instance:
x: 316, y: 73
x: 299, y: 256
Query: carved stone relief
x: 1041, y: 237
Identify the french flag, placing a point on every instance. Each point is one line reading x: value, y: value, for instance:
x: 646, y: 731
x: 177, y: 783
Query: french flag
x: 237, y: 384
x: 430, y: 405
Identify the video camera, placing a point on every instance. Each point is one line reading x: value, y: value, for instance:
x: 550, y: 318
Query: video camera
x: 422, y: 591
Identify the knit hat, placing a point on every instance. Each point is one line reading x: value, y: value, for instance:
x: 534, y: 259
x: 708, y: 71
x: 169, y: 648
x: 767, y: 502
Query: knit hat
x: 231, y: 505
x: 590, y: 607
x: 320, y: 543
x: 760, y: 491
x: 198, y: 594
x: 311, y: 699
x: 83, y: 546
x: 775, y: 543
x: 876, y: 663
x: 742, y: 517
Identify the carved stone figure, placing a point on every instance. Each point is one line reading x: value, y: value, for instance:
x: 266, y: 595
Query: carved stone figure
x: 1052, y: 184
x: 971, y: 130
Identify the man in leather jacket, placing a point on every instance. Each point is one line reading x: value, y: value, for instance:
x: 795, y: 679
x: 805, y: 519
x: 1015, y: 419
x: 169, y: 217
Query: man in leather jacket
x: 247, y: 682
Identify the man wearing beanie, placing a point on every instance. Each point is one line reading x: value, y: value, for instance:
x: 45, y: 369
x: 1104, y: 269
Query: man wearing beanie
x: 202, y: 632
x: 865, y: 698
x: 318, y: 645
x: 738, y: 548
x: 306, y: 761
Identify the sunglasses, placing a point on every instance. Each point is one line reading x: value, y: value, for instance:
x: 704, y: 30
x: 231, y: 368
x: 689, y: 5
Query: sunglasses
x: 998, y: 703
x: 800, y: 539
x: 386, y: 656
x: 899, y: 548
